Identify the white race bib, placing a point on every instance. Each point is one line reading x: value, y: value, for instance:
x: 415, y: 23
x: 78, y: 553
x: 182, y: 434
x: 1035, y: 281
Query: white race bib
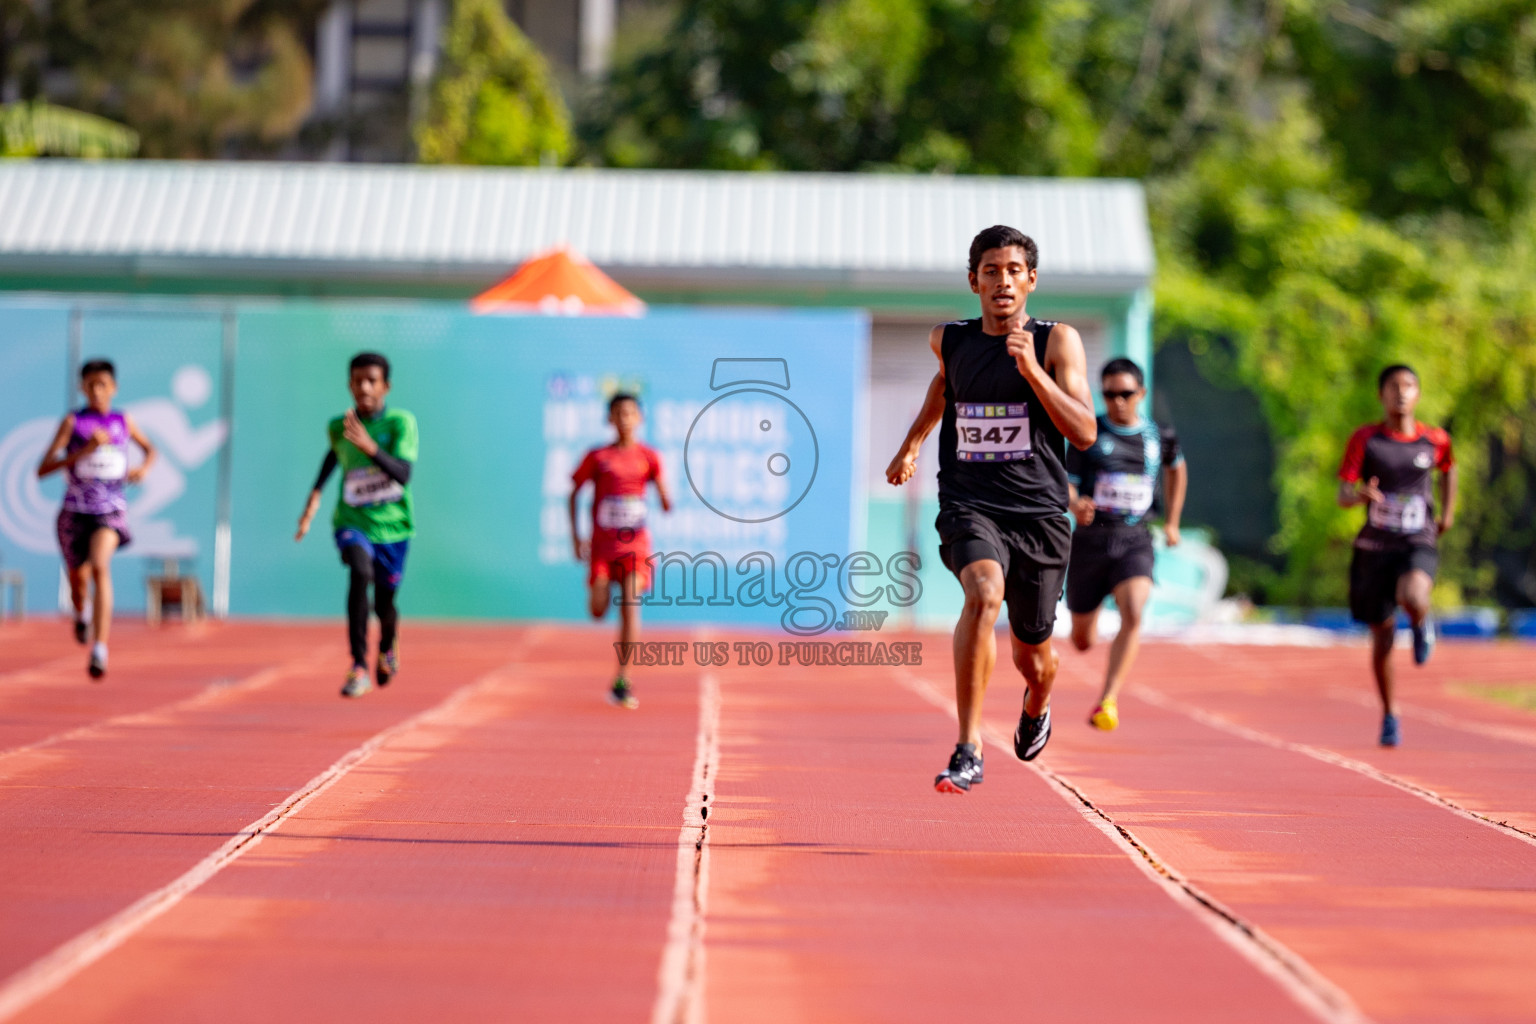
x: 109, y: 462
x: 621, y: 512
x: 370, y: 485
x: 1126, y: 493
x: 1399, y: 513
x: 992, y: 433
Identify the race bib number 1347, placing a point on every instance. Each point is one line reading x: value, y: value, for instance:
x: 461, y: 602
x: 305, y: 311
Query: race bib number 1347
x: 991, y: 433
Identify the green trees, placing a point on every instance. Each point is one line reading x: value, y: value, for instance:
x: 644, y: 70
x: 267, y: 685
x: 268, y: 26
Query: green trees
x: 1373, y: 209
x: 926, y: 85
x: 194, y: 79
x: 41, y: 129
x: 494, y: 100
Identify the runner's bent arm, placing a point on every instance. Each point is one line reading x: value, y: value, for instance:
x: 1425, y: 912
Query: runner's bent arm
x: 397, y: 469
x: 577, y: 544
x: 1352, y: 490
x: 1061, y: 384
x: 930, y: 416
x: 394, y: 467
x: 327, y: 467
x: 1447, y: 498
x: 1358, y: 492
x: 142, y: 469
x: 53, y: 460
x: 1175, y: 483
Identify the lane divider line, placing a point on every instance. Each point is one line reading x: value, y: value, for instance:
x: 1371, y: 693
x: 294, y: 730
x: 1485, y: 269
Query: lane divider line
x: 1223, y: 724
x: 680, y: 980
x: 207, y: 695
x: 1299, y: 979
x: 50, y: 972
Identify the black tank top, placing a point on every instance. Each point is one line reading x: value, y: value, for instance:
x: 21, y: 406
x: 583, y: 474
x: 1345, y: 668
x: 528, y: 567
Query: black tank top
x: 999, y: 452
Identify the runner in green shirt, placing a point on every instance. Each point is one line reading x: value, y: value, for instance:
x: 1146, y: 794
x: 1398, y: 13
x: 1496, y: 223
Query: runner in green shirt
x: 375, y: 448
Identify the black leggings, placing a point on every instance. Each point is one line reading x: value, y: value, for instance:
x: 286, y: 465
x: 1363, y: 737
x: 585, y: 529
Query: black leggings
x: 361, y: 564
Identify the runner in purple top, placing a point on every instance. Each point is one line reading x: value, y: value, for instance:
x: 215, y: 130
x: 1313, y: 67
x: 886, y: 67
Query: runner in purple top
x: 91, y: 446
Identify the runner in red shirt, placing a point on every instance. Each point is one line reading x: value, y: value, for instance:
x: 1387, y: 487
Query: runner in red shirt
x: 1389, y: 467
x: 620, y: 544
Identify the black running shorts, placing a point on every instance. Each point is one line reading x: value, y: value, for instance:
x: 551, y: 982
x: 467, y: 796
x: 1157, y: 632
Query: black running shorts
x: 1032, y: 552
x: 1103, y: 557
x: 1373, y: 577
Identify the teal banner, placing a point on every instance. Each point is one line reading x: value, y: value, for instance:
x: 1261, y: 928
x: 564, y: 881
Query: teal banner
x: 34, y: 386
x: 169, y: 372
x: 758, y: 416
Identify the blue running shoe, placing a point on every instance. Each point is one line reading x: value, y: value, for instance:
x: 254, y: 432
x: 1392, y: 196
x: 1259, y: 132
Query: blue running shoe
x: 1389, y: 731
x: 1423, y: 641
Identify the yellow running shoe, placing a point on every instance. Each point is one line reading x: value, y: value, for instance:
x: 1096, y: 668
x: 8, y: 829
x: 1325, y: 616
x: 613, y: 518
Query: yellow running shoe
x: 1106, y: 716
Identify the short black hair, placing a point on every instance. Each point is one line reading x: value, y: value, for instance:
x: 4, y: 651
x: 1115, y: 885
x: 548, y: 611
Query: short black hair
x: 1000, y: 236
x: 621, y: 396
x: 363, y: 360
x: 1386, y: 375
x: 1120, y: 364
x: 98, y: 366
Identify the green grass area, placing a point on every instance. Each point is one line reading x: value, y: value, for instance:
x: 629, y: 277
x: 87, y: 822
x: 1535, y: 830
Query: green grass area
x: 1521, y: 696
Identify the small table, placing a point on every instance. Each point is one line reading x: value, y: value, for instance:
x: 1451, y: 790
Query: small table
x: 172, y: 588
x: 12, y: 582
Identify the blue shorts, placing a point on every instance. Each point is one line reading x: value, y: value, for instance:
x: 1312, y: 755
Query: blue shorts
x: 388, y: 559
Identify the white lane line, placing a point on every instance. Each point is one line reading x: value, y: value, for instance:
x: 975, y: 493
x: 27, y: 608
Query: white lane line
x: 47, y: 974
x: 1371, y: 772
x: 207, y: 695
x: 1299, y: 979
x: 680, y: 981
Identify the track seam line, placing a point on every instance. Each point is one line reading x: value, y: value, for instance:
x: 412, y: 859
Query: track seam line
x: 1299, y: 979
x: 680, y: 979
x: 252, y: 682
x: 46, y: 974
x: 1224, y: 724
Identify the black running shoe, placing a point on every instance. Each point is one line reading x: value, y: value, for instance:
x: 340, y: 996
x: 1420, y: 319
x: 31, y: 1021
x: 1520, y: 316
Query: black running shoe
x: 82, y: 632
x: 97, y: 666
x: 1032, y: 734
x: 1423, y: 641
x: 964, y: 770
x: 388, y: 666
x: 622, y: 695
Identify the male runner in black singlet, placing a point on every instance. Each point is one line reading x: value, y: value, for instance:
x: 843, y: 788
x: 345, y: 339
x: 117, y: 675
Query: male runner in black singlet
x: 1114, y: 487
x: 1010, y: 391
x: 1389, y: 466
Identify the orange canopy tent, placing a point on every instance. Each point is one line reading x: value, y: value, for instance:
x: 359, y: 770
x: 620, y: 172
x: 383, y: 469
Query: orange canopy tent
x: 558, y: 282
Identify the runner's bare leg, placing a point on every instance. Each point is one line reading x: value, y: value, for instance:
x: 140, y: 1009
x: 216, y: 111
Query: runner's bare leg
x: 1131, y: 598
x: 1413, y: 590
x: 975, y: 643
x: 1382, y: 635
x: 103, y: 544
x: 1037, y: 663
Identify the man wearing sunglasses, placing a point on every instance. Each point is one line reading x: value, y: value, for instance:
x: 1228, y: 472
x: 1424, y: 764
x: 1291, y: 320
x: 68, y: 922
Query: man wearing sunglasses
x: 1114, y: 485
x: 1010, y: 392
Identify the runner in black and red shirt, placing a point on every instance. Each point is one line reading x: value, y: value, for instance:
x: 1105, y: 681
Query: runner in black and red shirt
x: 1389, y: 467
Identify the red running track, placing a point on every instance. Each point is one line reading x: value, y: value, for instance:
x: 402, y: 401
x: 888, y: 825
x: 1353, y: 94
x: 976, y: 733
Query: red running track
x: 213, y: 834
